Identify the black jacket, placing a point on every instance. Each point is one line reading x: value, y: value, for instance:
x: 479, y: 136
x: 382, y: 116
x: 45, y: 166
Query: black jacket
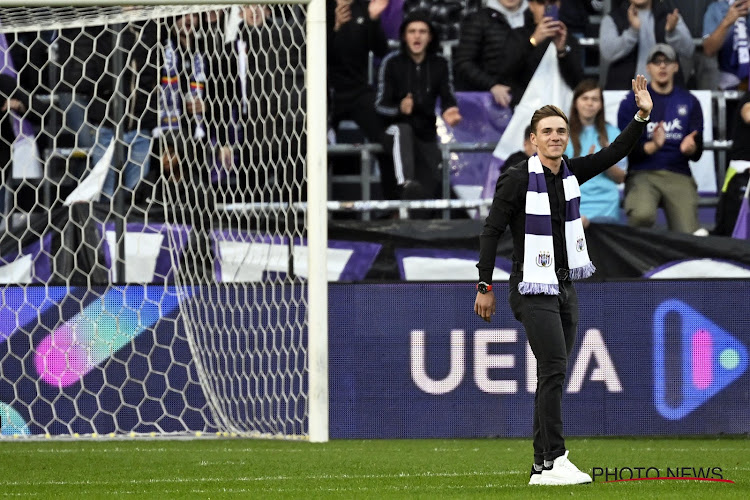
x: 273, y: 105
x: 489, y: 51
x: 575, y: 14
x: 427, y: 81
x: 349, y: 48
x: 399, y: 76
x: 509, y: 202
x: 138, y: 81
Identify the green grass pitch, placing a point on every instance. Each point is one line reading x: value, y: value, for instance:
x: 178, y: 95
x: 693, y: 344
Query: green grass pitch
x: 430, y: 468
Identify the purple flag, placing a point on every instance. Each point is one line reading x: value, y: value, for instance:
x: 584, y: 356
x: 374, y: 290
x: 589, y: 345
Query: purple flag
x: 742, y: 226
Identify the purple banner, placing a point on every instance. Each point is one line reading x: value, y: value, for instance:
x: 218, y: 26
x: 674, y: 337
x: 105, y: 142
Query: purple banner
x: 482, y: 121
x: 249, y: 256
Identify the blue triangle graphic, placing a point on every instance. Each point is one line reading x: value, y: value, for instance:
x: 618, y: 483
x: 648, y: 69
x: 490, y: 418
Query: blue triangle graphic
x: 711, y: 359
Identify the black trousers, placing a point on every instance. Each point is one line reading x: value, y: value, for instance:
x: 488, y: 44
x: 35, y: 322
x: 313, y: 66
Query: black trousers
x: 550, y: 322
x: 414, y: 159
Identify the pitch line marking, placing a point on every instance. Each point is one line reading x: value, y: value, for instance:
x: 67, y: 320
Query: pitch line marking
x: 320, y: 477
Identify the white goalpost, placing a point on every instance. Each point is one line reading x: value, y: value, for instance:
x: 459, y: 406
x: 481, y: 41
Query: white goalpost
x: 134, y: 302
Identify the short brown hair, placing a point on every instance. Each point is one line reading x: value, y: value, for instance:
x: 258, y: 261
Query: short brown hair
x: 546, y: 112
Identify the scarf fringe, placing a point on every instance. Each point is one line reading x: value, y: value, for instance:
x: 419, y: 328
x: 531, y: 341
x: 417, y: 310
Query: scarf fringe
x: 583, y: 272
x: 527, y: 288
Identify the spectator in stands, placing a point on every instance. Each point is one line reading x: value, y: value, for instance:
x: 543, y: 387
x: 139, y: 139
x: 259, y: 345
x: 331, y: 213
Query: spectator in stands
x: 179, y: 182
x: 540, y: 31
x: 658, y: 166
x: 703, y: 71
x: 725, y: 35
x: 137, y: 43
x: 409, y: 83
x: 738, y: 171
x: 13, y: 104
x: 500, y: 49
x: 75, y: 90
x: 354, y: 30
x: 268, y: 65
x: 521, y: 155
x: 488, y: 54
x: 23, y: 55
x: 575, y: 14
x: 190, y: 107
x: 600, y: 197
x: 446, y: 15
x: 183, y: 80
x: 630, y: 31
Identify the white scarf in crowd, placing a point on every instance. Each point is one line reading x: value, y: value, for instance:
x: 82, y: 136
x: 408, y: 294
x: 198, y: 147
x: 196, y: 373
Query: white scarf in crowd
x: 515, y: 17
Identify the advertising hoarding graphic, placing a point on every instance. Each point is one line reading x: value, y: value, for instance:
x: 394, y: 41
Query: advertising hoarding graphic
x: 413, y: 360
x: 406, y: 360
x: 711, y: 359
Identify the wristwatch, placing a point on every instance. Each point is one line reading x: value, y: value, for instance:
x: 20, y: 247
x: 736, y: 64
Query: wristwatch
x: 483, y: 287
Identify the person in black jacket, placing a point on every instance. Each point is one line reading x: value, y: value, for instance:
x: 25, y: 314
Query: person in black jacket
x: 354, y: 30
x: 265, y: 76
x: 136, y: 83
x: 500, y: 49
x: 409, y: 84
x: 549, y: 251
x: 20, y: 108
x: 488, y: 54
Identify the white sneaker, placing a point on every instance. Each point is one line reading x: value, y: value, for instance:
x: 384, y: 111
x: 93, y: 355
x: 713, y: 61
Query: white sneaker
x: 562, y: 472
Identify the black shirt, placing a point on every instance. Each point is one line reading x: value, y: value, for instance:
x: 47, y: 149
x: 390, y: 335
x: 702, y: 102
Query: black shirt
x: 509, y: 202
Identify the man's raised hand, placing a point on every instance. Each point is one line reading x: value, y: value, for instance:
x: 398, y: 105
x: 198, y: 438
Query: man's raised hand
x: 642, y: 95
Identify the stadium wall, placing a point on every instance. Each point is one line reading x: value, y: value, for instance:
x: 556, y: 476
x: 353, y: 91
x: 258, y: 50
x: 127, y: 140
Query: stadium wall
x: 408, y: 360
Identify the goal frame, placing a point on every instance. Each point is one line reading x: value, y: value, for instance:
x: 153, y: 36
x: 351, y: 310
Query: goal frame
x: 317, y: 172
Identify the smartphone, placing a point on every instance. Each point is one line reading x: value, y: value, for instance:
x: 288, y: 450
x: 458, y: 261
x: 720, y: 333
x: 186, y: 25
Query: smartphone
x: 551, y: 10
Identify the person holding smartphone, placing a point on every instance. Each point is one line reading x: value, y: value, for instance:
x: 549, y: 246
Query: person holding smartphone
x: 725, y: 36
x: 541, y: 29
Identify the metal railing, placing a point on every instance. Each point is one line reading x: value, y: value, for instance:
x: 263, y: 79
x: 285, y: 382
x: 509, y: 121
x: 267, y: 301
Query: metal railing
x: 367, y: 152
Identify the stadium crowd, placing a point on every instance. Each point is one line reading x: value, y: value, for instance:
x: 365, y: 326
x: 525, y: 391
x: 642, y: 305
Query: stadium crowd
x: 207, y: 104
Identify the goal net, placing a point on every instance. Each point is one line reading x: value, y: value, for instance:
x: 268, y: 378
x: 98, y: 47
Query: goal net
x: 162, y: 244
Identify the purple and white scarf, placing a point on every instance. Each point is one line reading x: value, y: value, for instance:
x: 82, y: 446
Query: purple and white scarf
x: 539, y: 276
x: 171, y: 96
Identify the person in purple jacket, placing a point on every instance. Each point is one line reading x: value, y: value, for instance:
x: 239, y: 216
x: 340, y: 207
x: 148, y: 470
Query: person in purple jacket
x: 658, y: 167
